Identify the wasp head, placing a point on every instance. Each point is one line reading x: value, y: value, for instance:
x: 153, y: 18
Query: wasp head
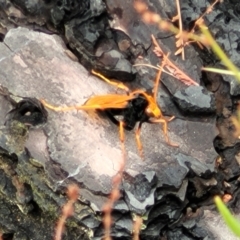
x: 152, y: 109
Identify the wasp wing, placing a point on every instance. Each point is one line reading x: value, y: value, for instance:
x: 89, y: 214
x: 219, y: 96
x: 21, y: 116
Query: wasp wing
x: 97, y: 102
x: 107, y: 101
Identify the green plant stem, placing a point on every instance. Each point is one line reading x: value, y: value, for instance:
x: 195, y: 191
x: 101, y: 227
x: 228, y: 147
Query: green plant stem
x: 232, y: 222
x: 219, y: 52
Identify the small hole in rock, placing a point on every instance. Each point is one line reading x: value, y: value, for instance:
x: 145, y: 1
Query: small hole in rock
x: 7, y: 236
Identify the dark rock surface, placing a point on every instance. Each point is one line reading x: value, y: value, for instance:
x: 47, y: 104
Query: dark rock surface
x: 84, y: 147
x: 199, y: 102
x: 223, y: 23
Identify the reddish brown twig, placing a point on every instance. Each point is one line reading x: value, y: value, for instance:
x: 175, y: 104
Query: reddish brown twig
x: 179, y: 41
x: 154, y: 18
x: 137, y: 227
x: 107, y: 209
x: 115, y: 193
x: 199, y: 21
x: 171, y: 67
x: 207, y: 11
x: 67, y: 211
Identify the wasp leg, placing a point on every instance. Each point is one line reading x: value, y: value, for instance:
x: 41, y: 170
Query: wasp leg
x: 165, y: 127
x: 170, y: 119
x: 121, y: 131
x: 122, y: 138
x: 119, y: 85
x: 139, y: 143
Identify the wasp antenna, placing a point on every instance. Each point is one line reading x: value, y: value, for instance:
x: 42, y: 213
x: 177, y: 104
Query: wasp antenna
x: 158, y: 76
x: 122, y: 138
x: 156, y: 85
x: 114, y: 83
x: 121, y: 131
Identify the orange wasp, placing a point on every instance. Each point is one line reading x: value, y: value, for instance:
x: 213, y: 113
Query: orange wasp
x: 134, y: 107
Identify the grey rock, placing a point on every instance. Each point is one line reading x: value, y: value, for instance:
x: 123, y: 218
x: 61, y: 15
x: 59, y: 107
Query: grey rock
x: 62, y: 81
x: 62, y: 149
x: 195, y: 99
x: 222, y: 23
x: 85, y: 146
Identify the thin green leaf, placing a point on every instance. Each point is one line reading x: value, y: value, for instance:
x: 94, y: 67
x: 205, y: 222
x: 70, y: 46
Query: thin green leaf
x: 232, y: 222
x: 217, y: 70
x: 219, y: 52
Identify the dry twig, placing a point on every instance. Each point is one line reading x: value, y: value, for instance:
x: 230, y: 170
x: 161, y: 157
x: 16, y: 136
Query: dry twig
x: 171, y: 67
x: 67, y: 211
x: 180, y: 41
x: 115, y: 193
x: 137, y: 227
x: 186, y: 37
x: 200, y: 19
